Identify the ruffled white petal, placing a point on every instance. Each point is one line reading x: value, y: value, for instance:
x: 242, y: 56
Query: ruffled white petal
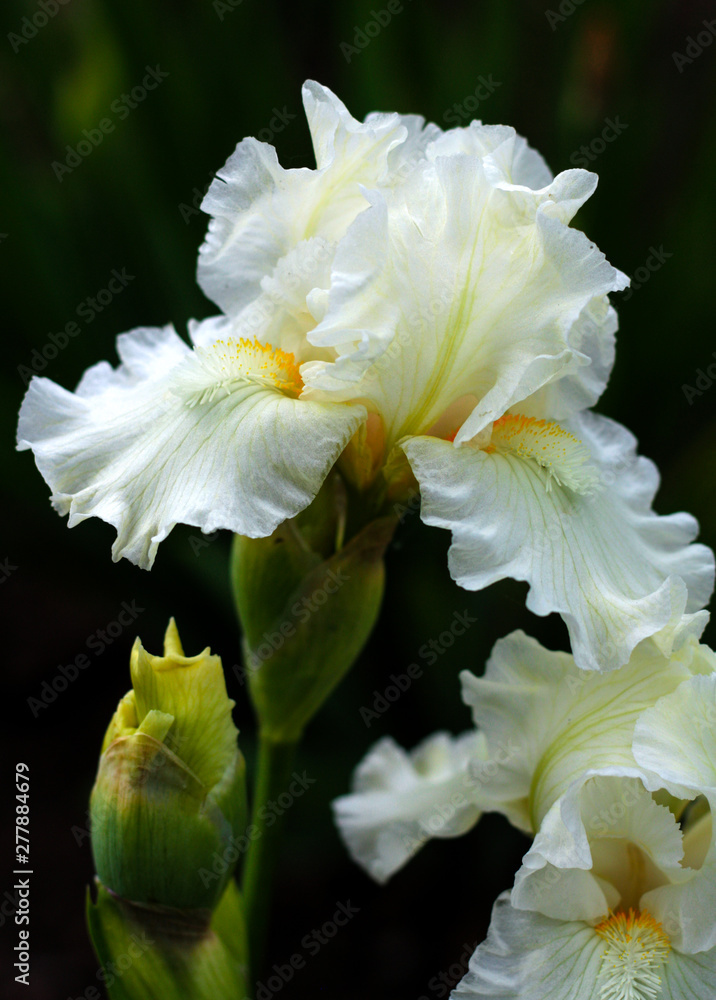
x: 584, y: 859
x: 458, y: 283
x: 291, y: 301
x: 528, y: 956
x: 686, y: 908
x: 592, y: 336
x: 247, y: 233
x: 400, y: 800
x: 529, y: 167
x: 521, y: 703
x: 404, y: 157
x: 675, y: 741
x: 552, y: 722
x: 162, y: 439
x: 340, y: 140
x: 596, y: 554
x: 511, y: 160
x: 260, y: 211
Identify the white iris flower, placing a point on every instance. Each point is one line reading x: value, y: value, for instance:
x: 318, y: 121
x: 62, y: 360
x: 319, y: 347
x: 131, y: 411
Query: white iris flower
x: 416, y: 306
x: 614, y: 901
x: 542, y: 723
x: 401, y: 800
x: 615, y: 776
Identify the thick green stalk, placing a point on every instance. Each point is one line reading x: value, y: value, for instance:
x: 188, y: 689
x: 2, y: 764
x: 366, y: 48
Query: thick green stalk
x: 274, y: 771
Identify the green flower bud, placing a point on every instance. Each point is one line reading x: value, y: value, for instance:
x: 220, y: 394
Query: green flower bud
x: 170, y: 790
x: 307, y: 604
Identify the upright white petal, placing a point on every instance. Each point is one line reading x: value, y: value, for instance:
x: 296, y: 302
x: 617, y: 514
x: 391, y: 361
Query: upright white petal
x: 509, y: 157
x: 606, y: 845
x: 404, y: 157
x: 341, y: 141
x: 400, y: 800
x: 602, y: 846
x: 567, y: 509
x: 675, y: 741
x: 458, y: 283
x: 592, y: 335
x: 686, y: 908
x: 529, y: 167
x: 551, y: 722
x: 260, y: 212
x: 173, y: 435
x: 289, y: 303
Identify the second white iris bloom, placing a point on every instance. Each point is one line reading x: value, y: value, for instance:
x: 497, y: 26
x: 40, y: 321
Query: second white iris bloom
x: 615, y: 777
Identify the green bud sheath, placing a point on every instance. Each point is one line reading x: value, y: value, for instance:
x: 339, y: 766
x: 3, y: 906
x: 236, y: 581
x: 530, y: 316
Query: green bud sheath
x: 170, y: 789
x: 160, y: 954
x: 307, y: 600
x: 307, y: 608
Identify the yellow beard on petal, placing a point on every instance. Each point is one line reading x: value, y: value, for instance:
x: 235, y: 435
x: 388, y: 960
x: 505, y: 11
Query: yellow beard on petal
x: 241, y: 360
x: 561, y: 454
x: 636, y: 947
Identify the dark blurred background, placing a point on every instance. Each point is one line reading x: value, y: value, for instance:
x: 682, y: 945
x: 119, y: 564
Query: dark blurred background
x: 566, y: 75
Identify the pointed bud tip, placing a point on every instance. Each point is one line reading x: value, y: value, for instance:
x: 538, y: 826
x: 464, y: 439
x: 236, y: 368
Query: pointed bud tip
x: 172, y: 642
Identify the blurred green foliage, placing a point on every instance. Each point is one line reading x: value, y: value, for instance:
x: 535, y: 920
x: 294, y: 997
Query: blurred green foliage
x: 560, y: 78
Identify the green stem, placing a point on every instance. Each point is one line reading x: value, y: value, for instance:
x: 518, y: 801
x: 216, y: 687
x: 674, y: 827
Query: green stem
x: 274, y: 769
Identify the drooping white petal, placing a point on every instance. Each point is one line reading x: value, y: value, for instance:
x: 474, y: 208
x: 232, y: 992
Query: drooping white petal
x: 400, y: 800
x: 260, y: 211
x: 577, y: 525
x: 528, y: 956
x: 179, y: 436
x: 551, y: 722
x: 457, y: 283
x: 689, y: 977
